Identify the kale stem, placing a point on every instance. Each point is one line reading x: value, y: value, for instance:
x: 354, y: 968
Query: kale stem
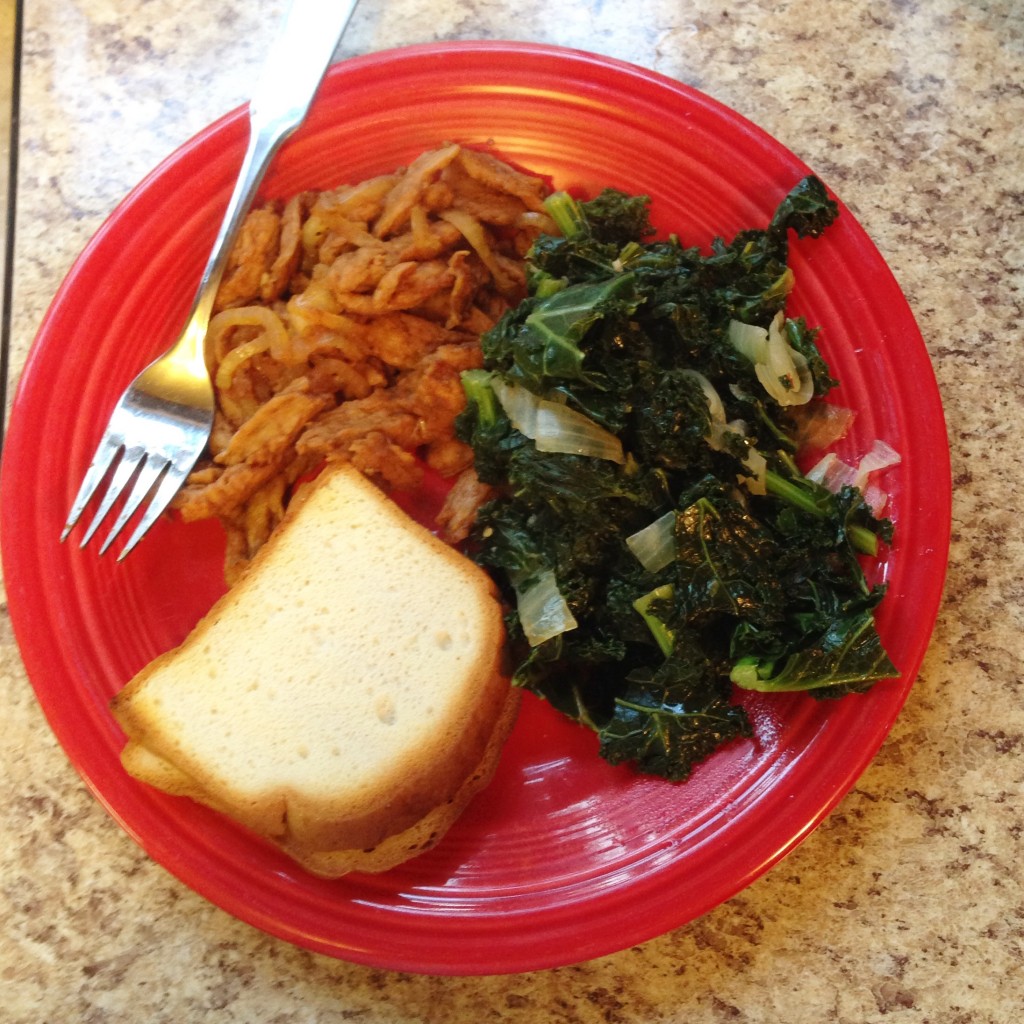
x: 781, y: 438
x: 566, y: 213
x: 792, y: 494
x: 862, y: 539
x: 477, y: 387
x: 663, y: 635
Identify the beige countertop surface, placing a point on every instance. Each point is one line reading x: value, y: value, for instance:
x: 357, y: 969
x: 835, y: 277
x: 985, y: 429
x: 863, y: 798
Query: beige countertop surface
x: 907, y: 904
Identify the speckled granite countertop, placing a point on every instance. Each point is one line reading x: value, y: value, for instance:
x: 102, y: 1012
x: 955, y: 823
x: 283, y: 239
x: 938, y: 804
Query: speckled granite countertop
x: 907, y: 904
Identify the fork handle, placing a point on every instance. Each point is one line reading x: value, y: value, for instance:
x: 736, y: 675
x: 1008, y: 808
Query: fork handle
x: 288, y: 82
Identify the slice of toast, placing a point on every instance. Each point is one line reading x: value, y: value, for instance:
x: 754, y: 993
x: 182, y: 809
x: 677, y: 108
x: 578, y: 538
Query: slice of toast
x: 345, y: 699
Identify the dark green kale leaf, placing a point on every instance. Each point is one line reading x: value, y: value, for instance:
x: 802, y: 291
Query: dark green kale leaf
x: 668, y: 428
x: 618, y: 218
x: 750, y: 276
x: 726, y: 563
x: 575, y: 486
x: 667, y: 721
x: 848, y: 657
x: 594, y: 234
x: 801, y: 337
x: 540, y: 344
x: 809, y: 513
x: 484, y: 426
x: 756, y: 591
x: 577, y: 673
x: 807, y: 210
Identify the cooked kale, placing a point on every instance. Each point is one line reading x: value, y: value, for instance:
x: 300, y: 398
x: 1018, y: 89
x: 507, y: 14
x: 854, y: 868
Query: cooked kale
x: 763, y: 587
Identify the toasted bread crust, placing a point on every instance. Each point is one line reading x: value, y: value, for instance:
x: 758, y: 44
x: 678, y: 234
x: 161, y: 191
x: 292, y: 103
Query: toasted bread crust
x: 383, y: 721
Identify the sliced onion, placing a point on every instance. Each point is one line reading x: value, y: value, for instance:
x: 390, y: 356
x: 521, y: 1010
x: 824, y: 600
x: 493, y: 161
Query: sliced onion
x: 822, y: 424
x: 520, y: 405
x: 543, y: 612
x: 716, y: 439
x: 876, y: 499
x: 474, y: 233
x: 782, y: 371
x: 756, y: 480
x: 561, y: 429
x: 804, y: 379
x: 757, y: 464
x: 830, y: 471
x: 785, y: 373
x: 881, y: 456
x: 779, y: 359
x: 239, y: 354
x: 716, y: 407
x: 655, y: 545
x: 714, y: 400
x: 554, y: 427
x: 749, y: 341
x: 817, y: 472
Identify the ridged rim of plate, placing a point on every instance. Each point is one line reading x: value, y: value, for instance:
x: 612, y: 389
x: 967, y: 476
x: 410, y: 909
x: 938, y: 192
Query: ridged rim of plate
x: 564, y: 858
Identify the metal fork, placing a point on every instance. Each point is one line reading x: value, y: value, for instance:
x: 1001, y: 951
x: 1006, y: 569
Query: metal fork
x: 162, y: 422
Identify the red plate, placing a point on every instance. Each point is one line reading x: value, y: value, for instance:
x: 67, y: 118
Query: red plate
x: 565, y: 858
